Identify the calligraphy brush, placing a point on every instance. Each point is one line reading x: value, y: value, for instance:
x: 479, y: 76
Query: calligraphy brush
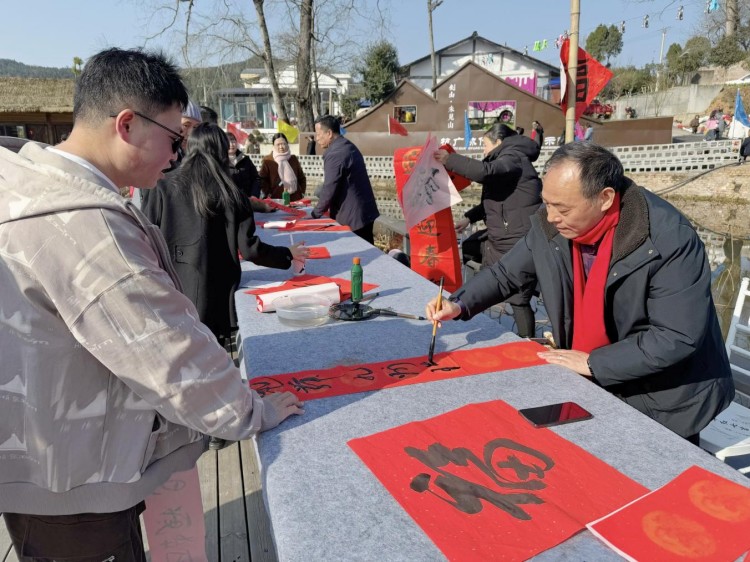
x: 438, y: 306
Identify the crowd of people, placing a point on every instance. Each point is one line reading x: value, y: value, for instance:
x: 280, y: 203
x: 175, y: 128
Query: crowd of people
x: 120, y: 307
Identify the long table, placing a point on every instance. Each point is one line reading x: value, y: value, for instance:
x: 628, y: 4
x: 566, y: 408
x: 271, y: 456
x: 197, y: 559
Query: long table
x: 323, y: 502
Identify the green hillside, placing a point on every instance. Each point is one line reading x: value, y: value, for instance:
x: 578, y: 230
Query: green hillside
x: 10, y: 67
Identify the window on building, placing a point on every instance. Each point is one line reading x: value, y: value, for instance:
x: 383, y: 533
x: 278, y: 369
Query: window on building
x: 405, y: 113
x: 17, y: 131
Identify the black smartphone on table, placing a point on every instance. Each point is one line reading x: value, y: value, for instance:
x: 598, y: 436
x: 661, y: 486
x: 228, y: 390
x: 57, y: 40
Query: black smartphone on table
x: 555, y: 414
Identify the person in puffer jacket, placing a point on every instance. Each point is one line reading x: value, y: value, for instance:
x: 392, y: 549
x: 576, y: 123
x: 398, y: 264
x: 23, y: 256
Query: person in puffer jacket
x: 511, y: 193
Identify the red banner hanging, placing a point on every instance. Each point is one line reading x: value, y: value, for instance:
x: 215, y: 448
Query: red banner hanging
x: 433, y: 243
x: 484, y: 484
x: 351, y: 379
x: 591, y: 77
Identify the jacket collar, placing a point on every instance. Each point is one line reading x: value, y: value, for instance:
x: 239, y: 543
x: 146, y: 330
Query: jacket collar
x: 632, y: 230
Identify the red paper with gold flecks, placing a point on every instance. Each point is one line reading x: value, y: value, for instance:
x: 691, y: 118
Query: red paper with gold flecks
x: 484, y: 484
x: 433, y: 243
x: 351, y: 379
x: 697, y: 516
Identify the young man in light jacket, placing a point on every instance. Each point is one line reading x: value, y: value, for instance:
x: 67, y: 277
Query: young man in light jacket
x: 110, y: 383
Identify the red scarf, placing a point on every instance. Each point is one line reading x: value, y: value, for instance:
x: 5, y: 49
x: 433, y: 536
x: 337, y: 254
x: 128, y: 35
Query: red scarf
x: 589, y: 331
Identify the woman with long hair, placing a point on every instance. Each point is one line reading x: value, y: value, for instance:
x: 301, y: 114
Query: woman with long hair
x: 206, y: 221
x: 511, y: 193
x: 281, y: 171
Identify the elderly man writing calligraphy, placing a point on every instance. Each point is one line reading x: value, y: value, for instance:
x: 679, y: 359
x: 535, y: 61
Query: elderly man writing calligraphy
x: 626, y: 284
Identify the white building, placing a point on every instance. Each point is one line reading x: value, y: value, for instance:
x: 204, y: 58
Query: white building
x: 253, y: 104
x: 523, y: 71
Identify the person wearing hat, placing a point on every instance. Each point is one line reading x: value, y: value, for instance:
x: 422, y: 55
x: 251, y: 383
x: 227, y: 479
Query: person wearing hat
x: 190, y: 118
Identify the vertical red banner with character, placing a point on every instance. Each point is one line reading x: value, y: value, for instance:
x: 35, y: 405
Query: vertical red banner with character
x: 433, y: 244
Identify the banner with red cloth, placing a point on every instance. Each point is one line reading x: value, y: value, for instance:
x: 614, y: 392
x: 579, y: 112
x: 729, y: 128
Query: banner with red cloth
x: 591, y: 77
x: 396, y: 128
x: 238, y: 133
x: 433, y: 243
x: 484, y: 484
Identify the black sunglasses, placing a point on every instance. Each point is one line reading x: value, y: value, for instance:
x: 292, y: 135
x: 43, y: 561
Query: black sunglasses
x: 176, y: 142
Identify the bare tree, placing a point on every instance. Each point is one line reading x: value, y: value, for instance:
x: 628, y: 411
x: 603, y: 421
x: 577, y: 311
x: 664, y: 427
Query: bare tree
x: 335, y: 46
x: 268, y: 62
x: 733, y: 17
x: 304, y: 88
x: 219, y: 30
x: 431, y: 7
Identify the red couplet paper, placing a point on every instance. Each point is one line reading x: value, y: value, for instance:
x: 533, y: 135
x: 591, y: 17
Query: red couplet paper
x: 287, y: 209
x: 318, y: 253
x: 308, y: 225
x: 174, y: 519
x: 300, y: 203
x: 484, y: 484
x: 345, y: 286
x: 697, y: 516
x: 434, y: 248
x: 351, y: 379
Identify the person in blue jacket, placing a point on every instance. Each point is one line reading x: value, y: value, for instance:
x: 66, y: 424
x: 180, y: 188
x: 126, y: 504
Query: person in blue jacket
x: 346, y: 191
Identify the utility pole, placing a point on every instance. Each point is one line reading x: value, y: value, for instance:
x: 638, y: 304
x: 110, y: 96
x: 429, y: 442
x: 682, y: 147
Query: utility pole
x: 572, y: 71
x: 663, y: 36
x: 431, y: 7
x: 660, y: 72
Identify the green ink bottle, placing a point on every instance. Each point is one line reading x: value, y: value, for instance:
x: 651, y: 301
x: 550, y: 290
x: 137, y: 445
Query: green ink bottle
x: 287, y: 198
x: 356, y: 276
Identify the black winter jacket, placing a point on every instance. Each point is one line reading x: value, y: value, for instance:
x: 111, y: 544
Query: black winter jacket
x: 667, y: 358
x: 204, y: 250
x: 245, y: 176
x: 511, y: 191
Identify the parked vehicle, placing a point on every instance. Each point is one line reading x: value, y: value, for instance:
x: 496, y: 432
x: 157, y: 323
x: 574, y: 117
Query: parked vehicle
x: 599, y: 110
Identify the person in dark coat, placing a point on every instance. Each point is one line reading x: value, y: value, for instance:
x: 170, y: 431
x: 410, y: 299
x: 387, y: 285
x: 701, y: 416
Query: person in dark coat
x: 511, y: 193
x: 243, y: 172
x: 627, y: 287
x: 205, y: 221
x: 745, y: 147
x: 537, y: 133
x: 346, y: 191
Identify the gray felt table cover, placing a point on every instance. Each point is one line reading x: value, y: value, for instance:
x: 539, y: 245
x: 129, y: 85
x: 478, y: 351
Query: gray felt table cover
x: 324, y: 504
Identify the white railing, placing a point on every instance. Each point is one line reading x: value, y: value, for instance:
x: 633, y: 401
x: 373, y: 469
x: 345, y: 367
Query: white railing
x: 680, y: 157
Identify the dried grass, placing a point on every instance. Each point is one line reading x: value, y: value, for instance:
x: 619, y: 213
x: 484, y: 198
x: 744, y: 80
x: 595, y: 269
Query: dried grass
x: 44, y: 95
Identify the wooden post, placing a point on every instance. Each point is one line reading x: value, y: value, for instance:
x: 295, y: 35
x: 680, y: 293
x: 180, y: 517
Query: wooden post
x: 572, y: 70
